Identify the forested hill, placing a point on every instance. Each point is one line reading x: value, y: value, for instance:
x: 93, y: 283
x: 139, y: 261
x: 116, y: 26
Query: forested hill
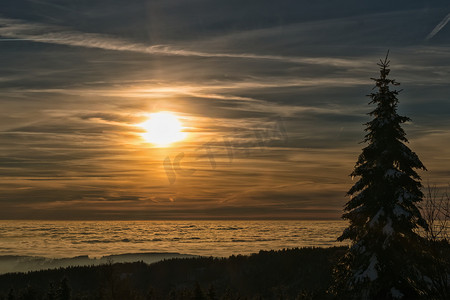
x: 303, y: 273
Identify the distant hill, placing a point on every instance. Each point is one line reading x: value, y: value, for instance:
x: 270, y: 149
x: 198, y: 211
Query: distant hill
x: 12, y: 263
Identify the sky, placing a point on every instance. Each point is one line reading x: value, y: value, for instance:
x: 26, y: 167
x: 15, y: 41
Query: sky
x: 271, y: 96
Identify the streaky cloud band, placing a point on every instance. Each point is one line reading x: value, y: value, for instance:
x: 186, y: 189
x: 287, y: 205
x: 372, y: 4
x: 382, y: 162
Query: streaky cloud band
x: 13, y: 29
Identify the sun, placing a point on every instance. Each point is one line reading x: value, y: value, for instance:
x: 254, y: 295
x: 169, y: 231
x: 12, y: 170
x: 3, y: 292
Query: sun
x: 162, y: 129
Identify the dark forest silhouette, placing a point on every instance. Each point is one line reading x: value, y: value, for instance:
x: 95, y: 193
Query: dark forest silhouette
x: 286, y: 274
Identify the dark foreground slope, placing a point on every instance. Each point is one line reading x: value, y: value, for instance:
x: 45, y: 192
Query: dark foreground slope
x: 286, y: 274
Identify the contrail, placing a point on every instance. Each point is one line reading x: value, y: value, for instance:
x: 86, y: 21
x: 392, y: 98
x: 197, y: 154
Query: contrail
x: 439, y: 27
x: 13, y: 29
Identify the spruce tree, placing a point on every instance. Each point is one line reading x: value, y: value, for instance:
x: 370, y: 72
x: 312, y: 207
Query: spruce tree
x: 64, y: 292
x: 382, y: 261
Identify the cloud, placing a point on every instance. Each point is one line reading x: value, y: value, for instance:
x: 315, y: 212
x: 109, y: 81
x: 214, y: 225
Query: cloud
x: 18, y: 29
x: 68, y: 144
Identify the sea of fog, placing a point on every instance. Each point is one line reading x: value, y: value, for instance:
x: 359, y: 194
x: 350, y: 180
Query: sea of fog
x: 33, y: 245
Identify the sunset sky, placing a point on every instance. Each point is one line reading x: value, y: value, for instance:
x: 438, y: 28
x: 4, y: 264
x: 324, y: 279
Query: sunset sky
x: 270, y: 96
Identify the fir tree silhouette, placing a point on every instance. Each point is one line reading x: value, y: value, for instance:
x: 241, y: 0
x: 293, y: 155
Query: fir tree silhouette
x: 382, y: 260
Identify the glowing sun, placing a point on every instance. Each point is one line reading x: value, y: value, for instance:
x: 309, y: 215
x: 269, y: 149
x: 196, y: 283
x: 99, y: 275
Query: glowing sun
x: 162, y: 129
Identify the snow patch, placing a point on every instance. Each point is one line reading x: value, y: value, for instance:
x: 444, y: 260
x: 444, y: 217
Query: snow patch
x: 404, y: 195
x: 428, y: 281
x: 359, y: 247
x: 387, y: 229
x: 400, y: 211
x: 371, y: 272
x: 396, y: 294
x: 383, y: 120
x: 376, y: 217
x: 392, y: 173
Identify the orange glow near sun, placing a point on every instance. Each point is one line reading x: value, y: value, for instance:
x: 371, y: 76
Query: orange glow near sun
x: 162, y: 129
